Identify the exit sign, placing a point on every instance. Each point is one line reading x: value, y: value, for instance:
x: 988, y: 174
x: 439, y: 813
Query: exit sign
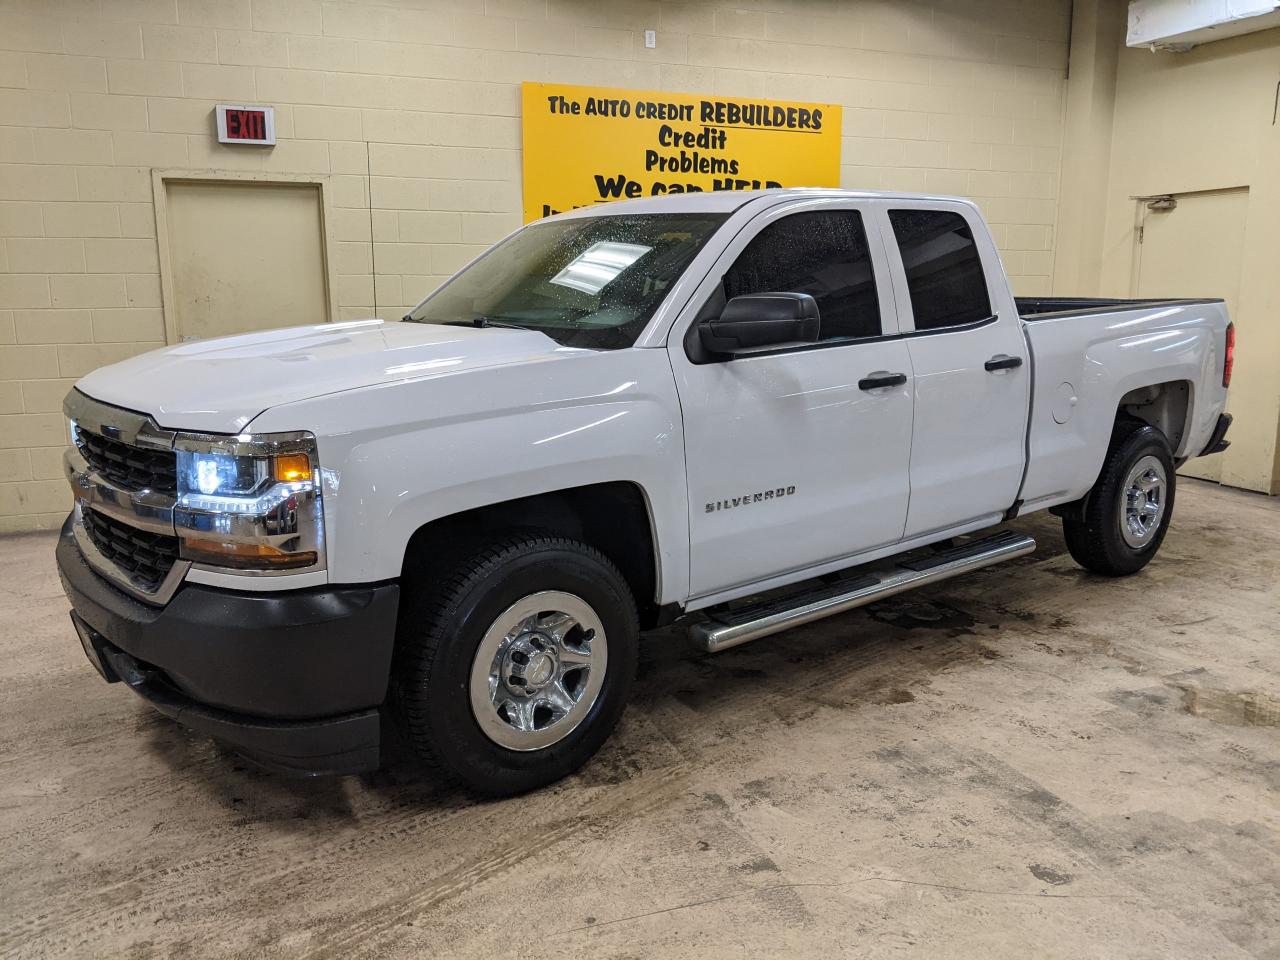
x: 239, y: 124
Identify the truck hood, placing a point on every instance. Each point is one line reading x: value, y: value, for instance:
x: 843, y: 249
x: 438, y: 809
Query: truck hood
x: 219, y: 386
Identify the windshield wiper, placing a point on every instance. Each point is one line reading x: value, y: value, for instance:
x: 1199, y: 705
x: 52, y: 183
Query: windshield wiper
x: 483, y: 321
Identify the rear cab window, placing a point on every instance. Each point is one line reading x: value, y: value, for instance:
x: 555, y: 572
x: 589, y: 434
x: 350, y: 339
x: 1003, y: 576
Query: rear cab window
x: 944, y: 273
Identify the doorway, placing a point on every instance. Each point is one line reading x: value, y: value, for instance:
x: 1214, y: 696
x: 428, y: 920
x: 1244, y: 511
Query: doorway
x: 1192, y: 245
x: 241, y: 255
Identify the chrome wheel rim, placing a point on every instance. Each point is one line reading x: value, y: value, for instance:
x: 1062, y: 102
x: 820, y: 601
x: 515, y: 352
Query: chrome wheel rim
x: 538, y: 670
x: 1145, y: 495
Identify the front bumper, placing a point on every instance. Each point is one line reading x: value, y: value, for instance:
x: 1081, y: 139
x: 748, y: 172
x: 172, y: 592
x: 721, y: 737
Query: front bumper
x: 294, y: 679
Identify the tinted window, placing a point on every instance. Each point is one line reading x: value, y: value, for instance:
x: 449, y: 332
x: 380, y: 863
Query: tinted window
x: 823, y: 254
x: 944, y: 273
x: 590, y: 282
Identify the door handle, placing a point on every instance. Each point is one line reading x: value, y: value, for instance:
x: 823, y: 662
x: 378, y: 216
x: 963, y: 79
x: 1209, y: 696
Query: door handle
x: 881, y: 378
x: 1002, y: 361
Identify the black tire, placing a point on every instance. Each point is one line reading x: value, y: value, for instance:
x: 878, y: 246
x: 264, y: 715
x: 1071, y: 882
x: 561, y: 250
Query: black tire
x: 442, y: 624
x: 1093, y: 529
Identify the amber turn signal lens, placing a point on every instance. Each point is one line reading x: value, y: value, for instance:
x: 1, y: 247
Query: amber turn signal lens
x: 242, y: 556
x: 292, y: 467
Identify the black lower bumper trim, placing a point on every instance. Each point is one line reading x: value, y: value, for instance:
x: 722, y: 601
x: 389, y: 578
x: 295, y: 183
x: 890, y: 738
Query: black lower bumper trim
x: 1218, y: 439
x: 331, y: 745
x: 286, y: 655
x: 295, y: 679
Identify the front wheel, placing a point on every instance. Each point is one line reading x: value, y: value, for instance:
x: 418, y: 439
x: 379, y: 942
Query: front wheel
x: 1123, y: 520
x: 512, y: 672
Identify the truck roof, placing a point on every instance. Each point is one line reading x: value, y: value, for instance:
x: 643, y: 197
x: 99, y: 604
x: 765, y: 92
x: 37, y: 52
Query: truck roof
x: 726, y: 201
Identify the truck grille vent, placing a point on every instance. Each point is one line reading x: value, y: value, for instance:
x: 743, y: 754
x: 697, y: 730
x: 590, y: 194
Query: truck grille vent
x: 146, y: 557
x: 127, y: 466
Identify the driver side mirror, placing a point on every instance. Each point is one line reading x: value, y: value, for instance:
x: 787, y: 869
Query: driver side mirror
x: 761, y: 320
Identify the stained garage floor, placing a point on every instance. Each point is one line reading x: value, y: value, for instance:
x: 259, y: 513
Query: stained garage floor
x: 1028, y: 761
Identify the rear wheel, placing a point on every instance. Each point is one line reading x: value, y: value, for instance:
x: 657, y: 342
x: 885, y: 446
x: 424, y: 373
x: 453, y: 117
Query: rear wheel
x: 1123, y: 520
x: 514, y: 670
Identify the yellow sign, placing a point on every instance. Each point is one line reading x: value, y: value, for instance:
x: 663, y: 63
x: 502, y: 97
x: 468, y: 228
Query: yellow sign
x: 585, y: 145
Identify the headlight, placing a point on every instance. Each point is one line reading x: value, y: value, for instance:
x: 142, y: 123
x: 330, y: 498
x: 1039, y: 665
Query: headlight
x: 250, y: 503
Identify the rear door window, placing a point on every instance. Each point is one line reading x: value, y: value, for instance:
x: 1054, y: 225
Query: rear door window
x: 944, y: 270
x: 824, y: 254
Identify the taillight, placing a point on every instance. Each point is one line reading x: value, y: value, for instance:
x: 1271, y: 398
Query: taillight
x: 1230, y: 360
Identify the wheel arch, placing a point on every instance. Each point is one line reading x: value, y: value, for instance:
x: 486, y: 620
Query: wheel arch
x: 614, y: 517
x: 1165, y: 406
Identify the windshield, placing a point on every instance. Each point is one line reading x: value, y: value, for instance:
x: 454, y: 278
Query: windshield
x: 591, y: 282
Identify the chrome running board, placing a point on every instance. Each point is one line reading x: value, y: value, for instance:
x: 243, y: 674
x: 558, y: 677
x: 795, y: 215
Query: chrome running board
x: 728, y: 628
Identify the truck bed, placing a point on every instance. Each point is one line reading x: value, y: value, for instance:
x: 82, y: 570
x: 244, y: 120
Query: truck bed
x: 1044, y: 308
x: 1087, y: 354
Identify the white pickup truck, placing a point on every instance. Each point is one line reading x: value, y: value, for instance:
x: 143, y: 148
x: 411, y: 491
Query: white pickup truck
x: 615, y: 418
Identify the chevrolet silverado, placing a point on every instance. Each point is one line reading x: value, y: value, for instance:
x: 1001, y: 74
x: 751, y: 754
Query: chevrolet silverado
x: 743, y: 411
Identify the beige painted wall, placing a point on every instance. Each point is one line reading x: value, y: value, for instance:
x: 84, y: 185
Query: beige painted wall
x: 1185, y: 122
x: 1097, y: 37
x: 956, y: 97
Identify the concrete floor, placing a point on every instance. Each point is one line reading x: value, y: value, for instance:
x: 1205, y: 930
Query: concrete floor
x: 1025, y: 762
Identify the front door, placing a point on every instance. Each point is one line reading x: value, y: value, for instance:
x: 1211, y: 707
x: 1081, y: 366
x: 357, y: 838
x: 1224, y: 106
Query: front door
x: 791, y: 463
x: 972, y: 370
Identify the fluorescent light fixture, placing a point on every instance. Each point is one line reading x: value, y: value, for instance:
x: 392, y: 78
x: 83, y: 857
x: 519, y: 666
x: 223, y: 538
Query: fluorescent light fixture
x: 597, y: 266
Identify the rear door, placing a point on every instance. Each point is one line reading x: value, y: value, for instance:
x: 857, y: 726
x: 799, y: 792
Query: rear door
x: 969, y: 357
x: 791, y: 462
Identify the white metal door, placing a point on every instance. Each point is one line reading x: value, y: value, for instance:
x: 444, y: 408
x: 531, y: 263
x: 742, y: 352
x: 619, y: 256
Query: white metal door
x: 791, y: 463
x: 971, y: 364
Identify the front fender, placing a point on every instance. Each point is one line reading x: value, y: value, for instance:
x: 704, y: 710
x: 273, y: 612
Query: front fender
x: 398, y: 456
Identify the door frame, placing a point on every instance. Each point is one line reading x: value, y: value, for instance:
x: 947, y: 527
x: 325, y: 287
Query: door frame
x: 1141, y: 210
x: 1204, y: 468
x: 161, y: 178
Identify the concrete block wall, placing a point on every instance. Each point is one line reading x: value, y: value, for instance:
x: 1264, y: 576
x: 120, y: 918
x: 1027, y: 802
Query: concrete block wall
x: 411, y: 110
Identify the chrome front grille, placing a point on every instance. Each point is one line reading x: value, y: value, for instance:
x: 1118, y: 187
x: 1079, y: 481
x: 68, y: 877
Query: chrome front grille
x: 129, y: 467
x: 146, y: 557
x: 123, y: 474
